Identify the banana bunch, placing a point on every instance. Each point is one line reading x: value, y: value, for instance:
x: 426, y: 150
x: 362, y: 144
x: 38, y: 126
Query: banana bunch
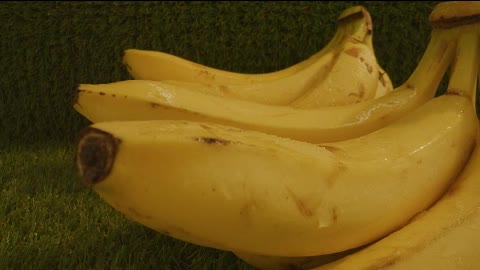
x: 385, y: 182
x: 300, y: 120
x: 320, y: 80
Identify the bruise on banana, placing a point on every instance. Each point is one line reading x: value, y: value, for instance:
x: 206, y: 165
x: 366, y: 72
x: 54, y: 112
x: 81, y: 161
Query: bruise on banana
x: 211, y: 140
x: 301, y: 206
x: 452, y: 22
x: 95, y: 155
x: 381, y: 78
x: 77, y: 91
x: 454, y: 92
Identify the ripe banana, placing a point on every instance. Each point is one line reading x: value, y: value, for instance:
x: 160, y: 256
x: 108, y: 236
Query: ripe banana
x: 153, y: 100
x: 249, y: 188
x: 323, y: 76
x: 445, y: 237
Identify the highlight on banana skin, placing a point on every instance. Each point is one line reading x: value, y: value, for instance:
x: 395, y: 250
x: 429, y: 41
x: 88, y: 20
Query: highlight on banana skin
x: 299, y: 168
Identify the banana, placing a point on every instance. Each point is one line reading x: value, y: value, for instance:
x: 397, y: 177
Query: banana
x: 153, y: 100
x: 262, y: 194
x: 445, y: 237
x: 323, y: 77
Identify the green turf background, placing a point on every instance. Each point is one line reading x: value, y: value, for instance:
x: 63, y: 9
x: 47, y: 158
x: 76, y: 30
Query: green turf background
x: 47, y: 49
x: 47, y: 218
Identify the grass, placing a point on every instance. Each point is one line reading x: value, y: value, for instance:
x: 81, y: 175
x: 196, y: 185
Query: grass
x: 49, y: 220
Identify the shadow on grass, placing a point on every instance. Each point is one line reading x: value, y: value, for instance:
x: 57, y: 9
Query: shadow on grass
x: 41, y: 168
x: 125, y: 246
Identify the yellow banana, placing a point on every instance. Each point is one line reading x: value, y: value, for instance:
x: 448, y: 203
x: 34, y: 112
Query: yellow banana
x: 323, y: 76
x: 248, y: 188
x: 153, y: 100
x: 445, y: 237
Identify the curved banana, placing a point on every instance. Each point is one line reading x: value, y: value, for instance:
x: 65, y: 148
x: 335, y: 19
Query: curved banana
x: 444, y: 237
x: 152, y: 100
x: 239, y: 190
x: 323, y: 75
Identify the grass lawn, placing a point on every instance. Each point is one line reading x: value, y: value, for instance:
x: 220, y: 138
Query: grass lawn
x: 49, y: 220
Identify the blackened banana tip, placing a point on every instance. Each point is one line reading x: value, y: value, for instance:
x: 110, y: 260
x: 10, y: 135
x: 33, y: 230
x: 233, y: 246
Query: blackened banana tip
x: 95, y: 155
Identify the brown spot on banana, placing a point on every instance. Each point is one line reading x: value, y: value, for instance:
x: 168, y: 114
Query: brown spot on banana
x: 412, y: 87
x: 101, y: 93
x: 334, y: 150
x: 210, y: 140
x: 301, y: 206
x: 205, y: 126
x: 206, y: 75
x: 95, y: 155
x: 329, y: 148
x: 334, y: 214
x: 455, y: 92
x: 455, y: 13
x: 247, y: 208
x: 367, y: 65
x: 354, y: 52
x: 361, y: 92
x: 223, y: 89
x: 381, y: 78
x: 154, y: 105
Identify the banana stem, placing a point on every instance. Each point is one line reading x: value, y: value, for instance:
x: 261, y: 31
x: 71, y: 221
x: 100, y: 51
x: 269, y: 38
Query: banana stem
x: 359, y: 23
x: 434, y: 62
x: 464, y: 73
